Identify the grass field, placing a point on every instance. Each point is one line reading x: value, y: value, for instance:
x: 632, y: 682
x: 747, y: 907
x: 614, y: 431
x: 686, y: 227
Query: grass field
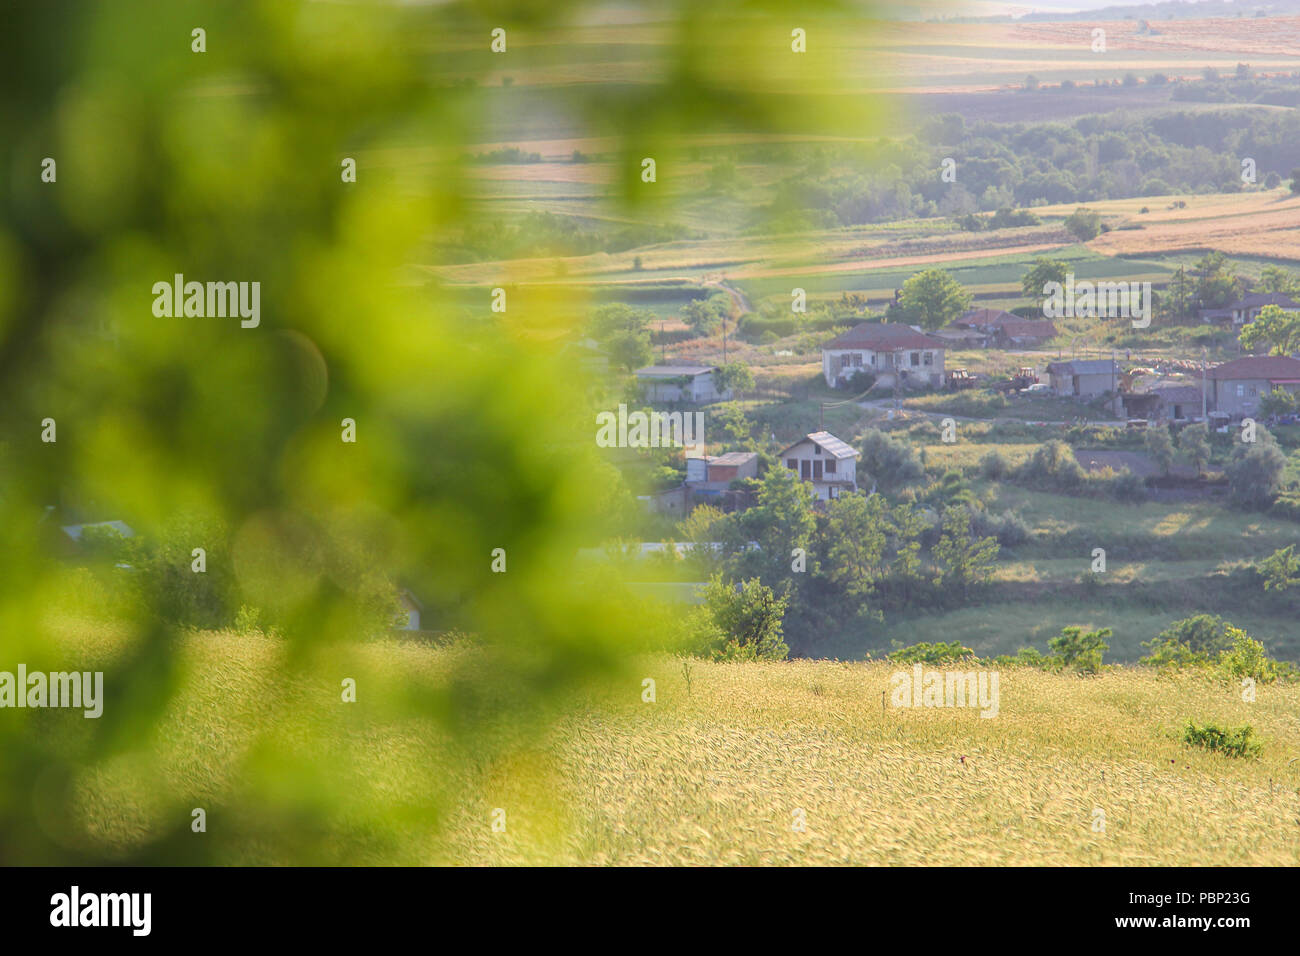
x: 710, y: 773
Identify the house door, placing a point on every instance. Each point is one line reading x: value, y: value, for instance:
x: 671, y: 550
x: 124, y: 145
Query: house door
x: 817, y: 471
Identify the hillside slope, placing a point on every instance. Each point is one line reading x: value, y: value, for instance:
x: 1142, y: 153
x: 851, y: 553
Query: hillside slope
x: 709, y: 773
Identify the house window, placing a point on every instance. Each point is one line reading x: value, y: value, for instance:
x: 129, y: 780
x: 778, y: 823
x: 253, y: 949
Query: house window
x: 805, y: 469
x: 792, y: 464
x: 817, y: 471
x: 830, y: 466
x: 844, y: 361
x: 928, y: 358
x: 817, y: 449
x: 1254, y: 390
x: 1241, y: 391
x: 857, y: 358
x: 916, y: 359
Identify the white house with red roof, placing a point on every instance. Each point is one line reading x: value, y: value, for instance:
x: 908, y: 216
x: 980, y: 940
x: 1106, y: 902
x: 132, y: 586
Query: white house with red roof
x: 1237, y: 386
x: 894, y: 353
x: 825, y: 462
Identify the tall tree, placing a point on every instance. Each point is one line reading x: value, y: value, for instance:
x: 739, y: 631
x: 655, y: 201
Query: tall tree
x: 932, y: 299
x: 963, y: 562
x: 1274, y: 328
x: 1043, y: 271
x: 856, y: 527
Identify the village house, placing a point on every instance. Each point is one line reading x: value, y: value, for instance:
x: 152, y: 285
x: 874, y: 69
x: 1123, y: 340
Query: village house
x: 1237, y: 386
x: 989, y: 327
x: 721, y: 470
x: 894, y: 354
x: 1165, y: 403
x: 709, y: 479
x: 823, y: 460
x: 691, y: 384
x: 1178, y: 403
x: 1247, y: 309
x: 984, y: 320
x: 1024, y: 333
x: 1084, y: 378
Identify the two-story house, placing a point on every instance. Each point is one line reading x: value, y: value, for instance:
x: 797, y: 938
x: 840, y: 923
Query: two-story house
x: 824, y: 461
x: 1237, y: 386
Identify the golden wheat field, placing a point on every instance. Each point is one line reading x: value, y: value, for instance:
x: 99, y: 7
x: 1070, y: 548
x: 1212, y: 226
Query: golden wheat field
x: 714, y: 771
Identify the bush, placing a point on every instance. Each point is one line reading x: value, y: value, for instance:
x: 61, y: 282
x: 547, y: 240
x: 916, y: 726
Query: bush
x: 1255, y: 474
x: 1192, y: 642
x: 860, y: 381
x: 1281, y: 569
x: 164, y: 575
x: 1229, y: 741
x: 1247, y: 658
x: 1286, y: 506
x: 994, y: 466
x: 1025, y: 657
x: 1009, y: 528
x: 1053, y: 466
x: 1083, y: 224
x: 1078, y: 650
x: 1127, y: 487
x: 741, y: 621
x: 887, y: 461
x: 937, y: 653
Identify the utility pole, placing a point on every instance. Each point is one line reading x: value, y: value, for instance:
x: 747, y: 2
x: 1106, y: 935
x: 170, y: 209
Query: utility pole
x: 1204, y: 415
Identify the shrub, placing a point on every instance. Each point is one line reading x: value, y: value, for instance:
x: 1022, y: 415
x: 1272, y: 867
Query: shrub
x: 1255, y: 474
x: 937, y: 653
x: 1078, y: 650
x: 1192, y: 642
x: 1127, y: 487
x: 1083, y: 224
x: 742, y: 621
x: 1229, y: 741
x: 176, y: 593
x: 1281, y: 569
x: 1286, y: 506
x: 1009, y: 528
x: 860, y: 381
x: 1248, y: 658
x: 1053, y: 466
x: 994, y: 466
x: 888, y: 461
x: 1025, y: 657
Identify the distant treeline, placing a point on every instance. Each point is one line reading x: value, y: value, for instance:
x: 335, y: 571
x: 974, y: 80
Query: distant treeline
x: 1019, y: 165
x: 542, y: 234
x: 1168, y: 10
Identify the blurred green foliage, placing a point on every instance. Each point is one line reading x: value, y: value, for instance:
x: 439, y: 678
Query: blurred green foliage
x: 472, y: 433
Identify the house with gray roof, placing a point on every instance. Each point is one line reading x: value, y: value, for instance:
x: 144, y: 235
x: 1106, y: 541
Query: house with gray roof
x: 1084, y: 378
x: 825, y: 462
x: 691, y: 384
